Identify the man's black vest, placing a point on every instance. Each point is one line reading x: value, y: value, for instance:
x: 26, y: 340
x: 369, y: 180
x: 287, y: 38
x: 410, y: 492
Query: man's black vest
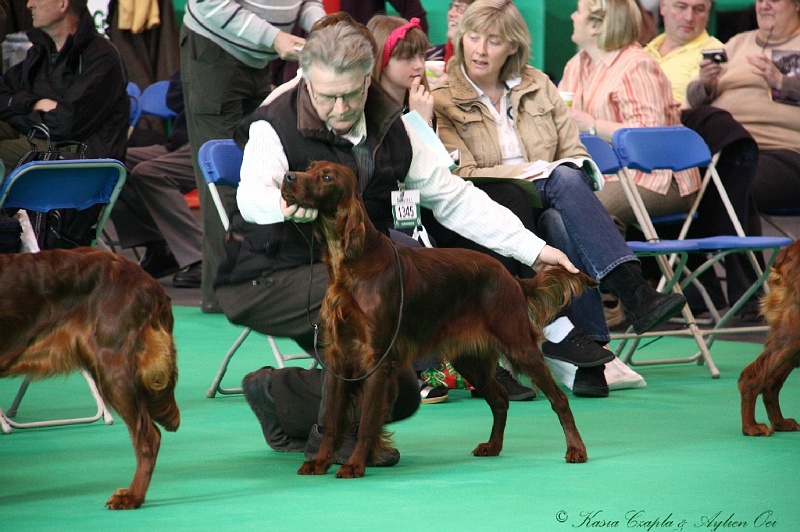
x: 252, y: 249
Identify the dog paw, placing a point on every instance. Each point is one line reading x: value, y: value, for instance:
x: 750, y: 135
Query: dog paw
x: 312, y: 467
x: 486, y: 449
x: 758, y: 429
x: 351, y: 471
x: 122, y: 499
x: 786, y: 425
x: 576, y: 456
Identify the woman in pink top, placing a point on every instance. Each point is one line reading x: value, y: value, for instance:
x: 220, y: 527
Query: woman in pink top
x: 617, y: 84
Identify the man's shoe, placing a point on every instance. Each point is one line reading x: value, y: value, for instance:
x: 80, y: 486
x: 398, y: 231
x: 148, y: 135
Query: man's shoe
x: 515, y: 390
x: 159, y: 261
x: 578, y: 349
x: 659, y: 309
x: 388, y: 457
x: 189, y: 277
x: 256, y: 388
x: 590, y: 382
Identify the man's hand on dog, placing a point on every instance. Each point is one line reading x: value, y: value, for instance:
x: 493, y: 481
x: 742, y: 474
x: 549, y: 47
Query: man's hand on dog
x: 298, y: 213
x: 551, y: 256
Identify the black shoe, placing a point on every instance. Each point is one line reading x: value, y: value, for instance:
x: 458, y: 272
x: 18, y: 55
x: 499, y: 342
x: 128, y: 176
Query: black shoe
x: 189, y: 277
x: 659, y: 309
x: 256, y: 388
x: 159, y: 261
x: 515, y: 390
x: 578, y: 349
x: 388, y: 457
x: 590, y: 382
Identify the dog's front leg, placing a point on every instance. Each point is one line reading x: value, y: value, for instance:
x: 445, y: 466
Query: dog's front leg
x: 373, y: 406
x: 335, y: 399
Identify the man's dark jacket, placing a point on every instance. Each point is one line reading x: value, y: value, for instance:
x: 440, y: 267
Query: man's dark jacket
x: 88, y: 81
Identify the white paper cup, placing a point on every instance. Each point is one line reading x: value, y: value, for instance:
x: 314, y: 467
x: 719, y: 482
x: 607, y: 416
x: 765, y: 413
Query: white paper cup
x: 567, y: 97
x: 433, y: 69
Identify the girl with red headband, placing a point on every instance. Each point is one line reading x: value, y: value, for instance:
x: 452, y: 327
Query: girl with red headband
x: 400, y: 62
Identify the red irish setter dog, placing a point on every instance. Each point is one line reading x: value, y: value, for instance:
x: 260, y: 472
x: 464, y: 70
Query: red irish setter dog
x: 64, y: 310
x: 781, y: 354
x: 460, y: 304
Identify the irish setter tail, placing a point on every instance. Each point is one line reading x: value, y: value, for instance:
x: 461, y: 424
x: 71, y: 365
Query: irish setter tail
x: 551, y: 290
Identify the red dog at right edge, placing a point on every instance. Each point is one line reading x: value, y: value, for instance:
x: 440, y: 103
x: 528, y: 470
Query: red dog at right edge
x: 767, y: 373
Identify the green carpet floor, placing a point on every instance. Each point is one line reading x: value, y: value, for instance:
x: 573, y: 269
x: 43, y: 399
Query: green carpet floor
x: 669, y: 456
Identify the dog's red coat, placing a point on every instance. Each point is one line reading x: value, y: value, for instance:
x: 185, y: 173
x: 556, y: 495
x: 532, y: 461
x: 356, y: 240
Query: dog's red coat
x: 63, y: 310
x: 781, y: 354
x: 460, y: 304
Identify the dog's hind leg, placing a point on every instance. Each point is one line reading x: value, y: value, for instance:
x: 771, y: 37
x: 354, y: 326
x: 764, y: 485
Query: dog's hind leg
x: 146, y: 440
x: 533, y: 365
x: 751, y: 384
x: 479, y: 372
x: 771, y: 392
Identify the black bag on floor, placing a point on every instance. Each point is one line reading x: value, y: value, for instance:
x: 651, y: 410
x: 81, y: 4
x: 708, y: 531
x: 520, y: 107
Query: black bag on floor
x: 60, y: 228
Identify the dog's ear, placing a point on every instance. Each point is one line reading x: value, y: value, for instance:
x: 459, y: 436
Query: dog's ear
x: 354, y: 232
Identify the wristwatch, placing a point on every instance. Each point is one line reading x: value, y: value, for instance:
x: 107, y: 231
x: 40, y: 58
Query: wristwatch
x: 592, y: 129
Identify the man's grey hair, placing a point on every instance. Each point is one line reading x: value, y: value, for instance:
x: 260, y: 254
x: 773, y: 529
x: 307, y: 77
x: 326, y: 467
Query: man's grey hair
x: 341, y: 48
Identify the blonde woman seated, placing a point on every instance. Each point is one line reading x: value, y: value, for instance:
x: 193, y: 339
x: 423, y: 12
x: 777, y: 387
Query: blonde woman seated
x: 503, y: 114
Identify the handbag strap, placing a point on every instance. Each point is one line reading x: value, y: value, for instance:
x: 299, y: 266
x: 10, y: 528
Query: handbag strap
x: 45, y: 132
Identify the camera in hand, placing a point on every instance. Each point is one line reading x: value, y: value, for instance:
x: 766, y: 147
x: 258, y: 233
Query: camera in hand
x: 717, y: 55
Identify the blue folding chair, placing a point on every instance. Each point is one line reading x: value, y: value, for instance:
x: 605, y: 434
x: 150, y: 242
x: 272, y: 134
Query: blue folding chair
x: 46, y: 185
x: 678, y: 148
x: 154, y: 102
x: 220, y: 161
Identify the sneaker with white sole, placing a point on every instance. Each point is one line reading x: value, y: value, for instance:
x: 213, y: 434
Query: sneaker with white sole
x: 431, y: 395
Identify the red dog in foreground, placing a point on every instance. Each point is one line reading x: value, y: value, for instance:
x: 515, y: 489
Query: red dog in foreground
x: 388, y: 304
x: 781, y: 354
x: 63, y: 310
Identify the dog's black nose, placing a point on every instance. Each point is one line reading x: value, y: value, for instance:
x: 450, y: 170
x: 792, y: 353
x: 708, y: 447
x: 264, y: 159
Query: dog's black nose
x: 290, y: 177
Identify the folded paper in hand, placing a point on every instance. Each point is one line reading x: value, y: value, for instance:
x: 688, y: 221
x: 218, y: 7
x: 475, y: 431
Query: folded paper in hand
x: 542, y: 170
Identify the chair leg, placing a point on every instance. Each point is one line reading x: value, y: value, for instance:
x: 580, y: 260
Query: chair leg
x: 216, y: 387
x: 6, y: 423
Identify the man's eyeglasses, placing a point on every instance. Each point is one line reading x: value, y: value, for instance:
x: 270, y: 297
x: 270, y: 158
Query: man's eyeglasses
x: 459, y: 6
x: 349, y: 99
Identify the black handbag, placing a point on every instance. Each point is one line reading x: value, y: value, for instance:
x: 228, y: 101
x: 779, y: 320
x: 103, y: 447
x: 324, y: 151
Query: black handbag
x: 60, y: 228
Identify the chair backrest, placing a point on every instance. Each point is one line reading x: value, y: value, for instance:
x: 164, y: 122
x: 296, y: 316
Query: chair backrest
x: 154, y: 101
x: 134, y: 94
x: 601, y: 153
x: 220, y: 161
x: 658, y: 148
x: 71, y: 183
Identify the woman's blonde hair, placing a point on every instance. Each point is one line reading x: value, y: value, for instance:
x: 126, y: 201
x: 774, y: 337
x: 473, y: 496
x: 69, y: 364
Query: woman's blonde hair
x: 414, y: 43
x: 620, y: 20
x: 502, y: 18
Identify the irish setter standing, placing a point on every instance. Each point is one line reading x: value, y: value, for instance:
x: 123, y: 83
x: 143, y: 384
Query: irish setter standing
x: 388, y: 304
